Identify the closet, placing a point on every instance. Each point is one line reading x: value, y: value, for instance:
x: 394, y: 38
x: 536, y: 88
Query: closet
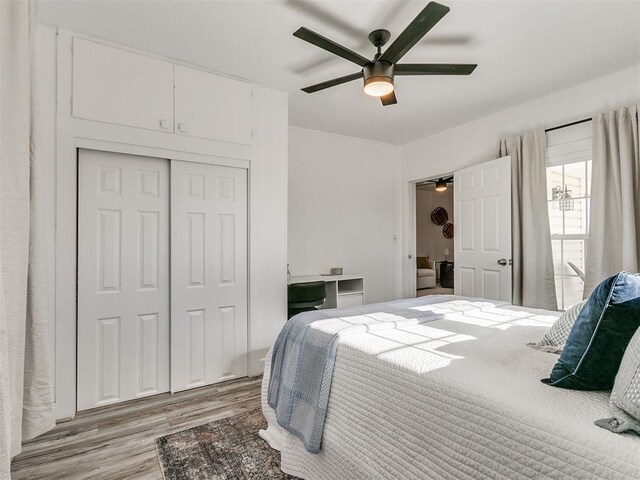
x: 162, y: 276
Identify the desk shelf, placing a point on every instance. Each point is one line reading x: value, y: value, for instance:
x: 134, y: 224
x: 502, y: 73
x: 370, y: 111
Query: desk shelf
x: 343, y: 291
x: 347, y: 287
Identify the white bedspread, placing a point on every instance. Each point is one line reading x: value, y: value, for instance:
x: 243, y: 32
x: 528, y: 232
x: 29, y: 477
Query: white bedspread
x: 456, y: 398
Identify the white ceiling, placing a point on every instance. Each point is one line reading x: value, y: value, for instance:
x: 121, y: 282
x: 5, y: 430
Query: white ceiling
x: 524, y: 49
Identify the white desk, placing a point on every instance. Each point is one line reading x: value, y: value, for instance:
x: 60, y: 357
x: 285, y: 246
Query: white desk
x: 343, y: 291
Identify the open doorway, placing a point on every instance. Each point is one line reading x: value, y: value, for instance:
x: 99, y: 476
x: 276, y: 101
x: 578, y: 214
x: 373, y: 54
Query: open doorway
x: 434, y: 236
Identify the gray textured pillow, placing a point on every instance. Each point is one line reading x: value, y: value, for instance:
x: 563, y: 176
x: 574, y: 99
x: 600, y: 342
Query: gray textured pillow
x: 555, y: 338
x: 624, y: 403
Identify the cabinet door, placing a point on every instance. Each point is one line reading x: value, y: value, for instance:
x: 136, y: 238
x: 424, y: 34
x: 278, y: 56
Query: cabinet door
x: 350, y: 300
x: 208, y: 274
x: 116, y: 86
x: 213, y: 107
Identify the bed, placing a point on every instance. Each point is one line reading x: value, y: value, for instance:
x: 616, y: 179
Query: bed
x: 457, y: 397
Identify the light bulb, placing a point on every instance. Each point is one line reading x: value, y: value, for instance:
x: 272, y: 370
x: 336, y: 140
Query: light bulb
x: 378, y: 86
x: 441, y: 185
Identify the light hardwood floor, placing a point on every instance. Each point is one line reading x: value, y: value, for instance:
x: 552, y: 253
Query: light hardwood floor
x: 118, y: 442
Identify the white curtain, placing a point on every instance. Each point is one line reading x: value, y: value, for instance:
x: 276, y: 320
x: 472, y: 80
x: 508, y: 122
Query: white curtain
x: 26, y: 399
x: 614, y: 232
x: 533, y: 278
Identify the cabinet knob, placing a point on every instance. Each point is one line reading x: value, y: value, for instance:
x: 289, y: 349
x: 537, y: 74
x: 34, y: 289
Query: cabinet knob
x: 164, y: 123
x: 182, y: 127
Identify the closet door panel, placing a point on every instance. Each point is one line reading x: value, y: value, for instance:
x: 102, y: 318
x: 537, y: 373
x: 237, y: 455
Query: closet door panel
x: 209, y: 274
x: 117, y: 86
x: 213, y: 107
x: 123, y: 277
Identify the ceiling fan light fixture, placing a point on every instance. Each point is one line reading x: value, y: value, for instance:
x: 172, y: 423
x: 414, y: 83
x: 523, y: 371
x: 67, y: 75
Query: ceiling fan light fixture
x: 441, y: 185
x: 378, y: 86
x: 378, y: 78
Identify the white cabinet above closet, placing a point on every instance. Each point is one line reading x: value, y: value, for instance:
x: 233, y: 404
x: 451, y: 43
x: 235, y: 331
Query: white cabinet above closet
x: 211, y: 106
x: 114, y: 85
x: 117, y: 86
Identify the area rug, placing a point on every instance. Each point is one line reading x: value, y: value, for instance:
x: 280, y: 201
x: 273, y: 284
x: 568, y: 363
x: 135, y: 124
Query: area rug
x: 223, y: 450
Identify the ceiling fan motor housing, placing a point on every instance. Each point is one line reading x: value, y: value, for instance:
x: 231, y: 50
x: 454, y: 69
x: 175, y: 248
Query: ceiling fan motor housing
x: 378, y: 71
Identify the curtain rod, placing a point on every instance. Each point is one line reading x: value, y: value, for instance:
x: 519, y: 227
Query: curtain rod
x: 577, y: 122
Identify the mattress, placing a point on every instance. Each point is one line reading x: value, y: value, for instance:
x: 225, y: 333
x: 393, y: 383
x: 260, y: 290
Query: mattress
x: 456, y: 398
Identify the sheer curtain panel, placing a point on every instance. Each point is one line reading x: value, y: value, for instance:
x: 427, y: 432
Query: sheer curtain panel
x: 26, y: 399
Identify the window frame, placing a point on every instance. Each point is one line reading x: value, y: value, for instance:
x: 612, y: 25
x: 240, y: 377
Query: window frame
x: 566, y: 146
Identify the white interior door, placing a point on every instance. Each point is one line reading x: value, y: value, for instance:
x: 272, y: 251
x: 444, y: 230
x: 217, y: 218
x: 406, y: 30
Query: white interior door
x: 482, y: 239
x: 208, y: 274
x: 123, y: 277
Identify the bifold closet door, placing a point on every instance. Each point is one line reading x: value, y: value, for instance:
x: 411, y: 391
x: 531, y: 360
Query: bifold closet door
x: 208, y: 274
x: 123, y: 277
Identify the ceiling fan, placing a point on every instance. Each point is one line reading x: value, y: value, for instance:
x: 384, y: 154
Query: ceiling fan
x: 379, y: 72
x: 441, y: 183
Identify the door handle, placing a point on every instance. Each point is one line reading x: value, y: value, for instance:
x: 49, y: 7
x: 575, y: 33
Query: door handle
x: 502, y: 262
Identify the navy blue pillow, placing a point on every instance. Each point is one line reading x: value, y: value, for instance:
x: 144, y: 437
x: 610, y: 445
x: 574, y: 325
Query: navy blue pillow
x: 591, y: 357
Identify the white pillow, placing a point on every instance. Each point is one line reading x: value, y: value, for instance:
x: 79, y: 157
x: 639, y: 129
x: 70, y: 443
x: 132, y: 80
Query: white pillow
x: 555, y: 338
x: 624, y: 403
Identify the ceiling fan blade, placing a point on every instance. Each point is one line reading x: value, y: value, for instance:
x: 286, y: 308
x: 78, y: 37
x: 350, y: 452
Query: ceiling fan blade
x: 389, y: 99
x: 434, y: 69
x: 313, y: 64
x: 425, y: 21
x: 330, y: 46
x: 446, y: 40
x: 332, y: 83
x: 325, y: 15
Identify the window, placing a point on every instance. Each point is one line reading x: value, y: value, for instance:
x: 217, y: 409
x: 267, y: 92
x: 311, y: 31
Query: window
x: 568, y: 196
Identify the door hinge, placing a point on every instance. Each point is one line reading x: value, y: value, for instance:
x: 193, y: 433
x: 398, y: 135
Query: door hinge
x: 71, y: 102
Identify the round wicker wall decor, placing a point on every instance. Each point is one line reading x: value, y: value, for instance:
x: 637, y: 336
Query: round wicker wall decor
x: 447, y: 230
x: 439, y: 216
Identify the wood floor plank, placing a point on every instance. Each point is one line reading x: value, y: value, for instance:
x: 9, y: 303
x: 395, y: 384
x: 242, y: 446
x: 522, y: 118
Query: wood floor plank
x: 118, y: 441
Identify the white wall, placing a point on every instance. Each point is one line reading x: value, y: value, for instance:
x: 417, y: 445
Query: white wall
x: 430, y: 242
x: 45, y: 140
x: 424, y: 205
x: 475, y: 142
x: 343, y: 209
x: 267, y: 225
